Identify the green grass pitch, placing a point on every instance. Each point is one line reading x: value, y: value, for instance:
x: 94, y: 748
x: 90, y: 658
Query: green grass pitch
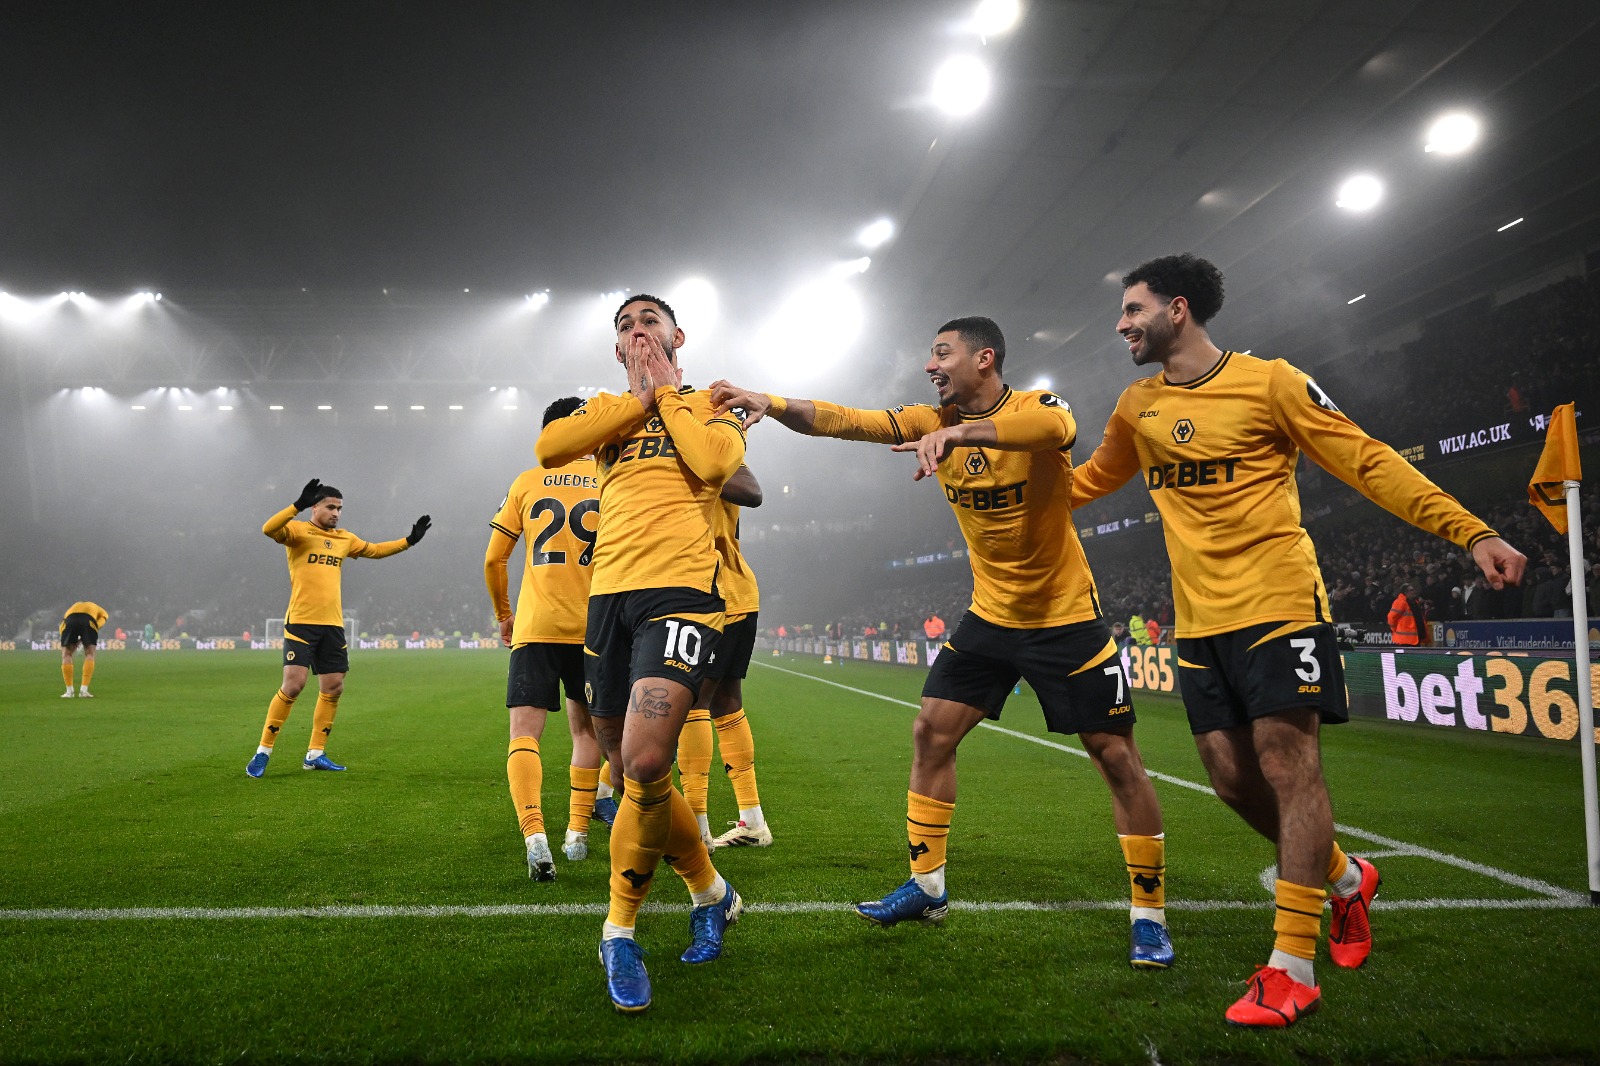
x: 138, y: 799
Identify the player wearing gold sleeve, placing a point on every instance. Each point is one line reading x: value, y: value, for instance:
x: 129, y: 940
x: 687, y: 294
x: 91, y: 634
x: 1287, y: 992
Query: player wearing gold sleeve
x: 1002, y: 458
x: 313, y: 628
x: 655, y: 619
x: 80, y: 626
x: 557, y: 508
x: 1216, y: 436
x: 721, y: 702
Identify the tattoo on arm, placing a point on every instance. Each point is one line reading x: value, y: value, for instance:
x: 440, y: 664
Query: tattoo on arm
x: 651, y: 702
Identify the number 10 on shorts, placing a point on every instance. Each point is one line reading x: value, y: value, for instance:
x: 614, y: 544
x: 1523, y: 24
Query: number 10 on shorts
x: 683, y: 642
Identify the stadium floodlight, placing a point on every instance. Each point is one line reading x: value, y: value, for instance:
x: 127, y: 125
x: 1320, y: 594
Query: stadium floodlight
x: 1452, y: 134
x: 994, y: 17
x: 833, y: 308
x: 1040, y: 383
x: 697, y: 304
x: 1508, y: 225
x: 509, y: 407
x: 456, y: 407
x: 275, y: 407
x: 380, y: 407
x: 534, y: 301
x: 875, y: 234
x: 961, y: 85
x: 225, y: 407
x: 418, y: 407
x: 1347, y: 303
x: 138, y: 407
x: 324, y: 406
x: 1361, y: 192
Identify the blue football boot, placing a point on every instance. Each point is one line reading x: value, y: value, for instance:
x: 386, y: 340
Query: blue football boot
x: 321, y: 762
x: 708, y: 923
x: 257, y: 765
x: 906, y: 903
x: 1149, y: 945
x: 606, y: 810
x: 626, y: 980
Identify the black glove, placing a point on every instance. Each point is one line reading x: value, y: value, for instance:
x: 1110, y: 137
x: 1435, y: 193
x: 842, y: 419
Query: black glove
x: 308, y: 495
x: 421, y: 526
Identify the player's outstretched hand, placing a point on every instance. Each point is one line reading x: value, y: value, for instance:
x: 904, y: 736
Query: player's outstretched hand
x: 308, y: 495
x: 930, y: 449
x: 730, y: 397
x: 418, y: 528
x: 1501, y: 564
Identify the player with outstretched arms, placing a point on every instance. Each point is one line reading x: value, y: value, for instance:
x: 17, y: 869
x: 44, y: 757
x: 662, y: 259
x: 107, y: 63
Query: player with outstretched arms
x: 313, y: 627
x: 655, y: 618
x: 557, y: 509
x: 1216, y: 436
x: 1003, y: 459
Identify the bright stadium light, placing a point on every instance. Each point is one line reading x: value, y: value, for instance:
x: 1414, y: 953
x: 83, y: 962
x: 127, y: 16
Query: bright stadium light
x: 833, y: 309
x: 324, y: 406
x: 225, y: 407
x: 1040, y: 383
x: 994, y: 17
x: 456, y: 407
x: 1508, y: 225
x: 535, y: 301
x: 875, y: 234
x: 1361, y: 192
x: 697, y: 304
x: 380, y: 407
x: 961, y: 85
x: 274, y: 406
x: 138, y: 407
x: 851, y: 267
x: 1357, y: 300
x: 1452, y: 134
x: 418, y: 407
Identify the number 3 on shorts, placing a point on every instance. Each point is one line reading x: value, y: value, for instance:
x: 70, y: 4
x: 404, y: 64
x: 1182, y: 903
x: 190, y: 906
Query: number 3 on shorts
x: 679, y: 644
x: 1313, y: 669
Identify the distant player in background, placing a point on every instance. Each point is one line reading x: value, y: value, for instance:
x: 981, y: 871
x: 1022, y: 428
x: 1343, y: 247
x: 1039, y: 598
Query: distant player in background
x: 313, y: 627
x: 1002, y: 457
x: 80, y: 626
x: 1216, y: 436
x: 655, y: 621
x: 721, y: 702
x: 559, y: 512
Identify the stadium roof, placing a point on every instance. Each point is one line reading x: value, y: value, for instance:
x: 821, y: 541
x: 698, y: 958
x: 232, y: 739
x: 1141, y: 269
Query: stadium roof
x: 353, y: 192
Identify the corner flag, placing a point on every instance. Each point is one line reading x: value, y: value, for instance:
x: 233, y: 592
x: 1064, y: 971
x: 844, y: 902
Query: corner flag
x: 1558, y: 463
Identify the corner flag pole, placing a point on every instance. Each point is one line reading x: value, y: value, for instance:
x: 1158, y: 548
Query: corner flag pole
x: 1559, y: 474
x: 1584, y: 685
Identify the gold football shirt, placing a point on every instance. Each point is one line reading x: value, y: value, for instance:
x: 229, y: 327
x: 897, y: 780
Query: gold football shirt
x: 1028, y: 567
x: 1218, y: 455
x: 93, y: 610
x: 316, y: 556
x: 660, y: 476
x: 557, y: 508
x: 737, y: 580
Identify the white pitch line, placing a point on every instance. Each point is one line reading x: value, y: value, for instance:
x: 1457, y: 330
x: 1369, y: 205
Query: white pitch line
x: 1556, y: 894
x: 595, y: 910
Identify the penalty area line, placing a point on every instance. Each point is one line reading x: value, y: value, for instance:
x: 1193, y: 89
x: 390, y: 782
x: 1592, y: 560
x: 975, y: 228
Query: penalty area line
x: 1554, y: 894
x: 597, y: 910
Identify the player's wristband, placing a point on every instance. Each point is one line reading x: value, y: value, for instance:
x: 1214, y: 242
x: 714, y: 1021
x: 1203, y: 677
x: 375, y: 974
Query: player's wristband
x: 779, y: 405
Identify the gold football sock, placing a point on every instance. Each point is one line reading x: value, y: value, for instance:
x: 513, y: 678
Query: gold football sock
x: 739, y: 757
x: 1147, y: 869
x: 1338, y: 863
x: 88, y: 672
x: 322, y: 721
x: 928, y: 830
x: 277, y: 714
x: 525, y: 773
x: 694, y: 758
x: 1299, y: 919
x: 685, y: 850
x: 580, y: 807
x: 644, y: 820
x: 603, y: 788
x: 66, y: 673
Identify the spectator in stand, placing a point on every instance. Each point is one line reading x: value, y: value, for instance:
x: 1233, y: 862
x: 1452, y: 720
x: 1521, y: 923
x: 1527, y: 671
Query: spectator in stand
x: 1154, y: 629
x: 1120, y: 634
x: 1552, y: 596
x: 1405, y: 620
x: 933, y: 626
x: 1479, y: 599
